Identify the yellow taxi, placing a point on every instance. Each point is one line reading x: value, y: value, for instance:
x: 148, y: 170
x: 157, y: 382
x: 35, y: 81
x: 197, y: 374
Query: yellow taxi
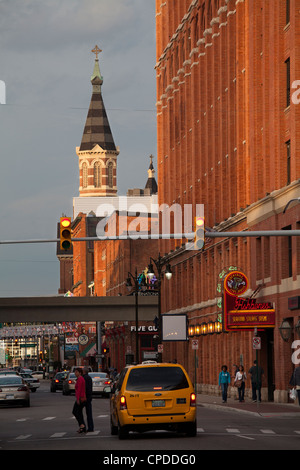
x: 151, y: 396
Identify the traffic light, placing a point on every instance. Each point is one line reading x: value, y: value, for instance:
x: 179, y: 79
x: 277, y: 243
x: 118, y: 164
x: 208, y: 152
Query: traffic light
x: 65, y: 233
x: 199, y: 233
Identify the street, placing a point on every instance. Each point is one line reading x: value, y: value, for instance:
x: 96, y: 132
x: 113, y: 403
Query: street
x: 49, y: 425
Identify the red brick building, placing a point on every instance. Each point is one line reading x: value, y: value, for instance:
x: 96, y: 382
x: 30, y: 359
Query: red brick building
x: 228, y: 137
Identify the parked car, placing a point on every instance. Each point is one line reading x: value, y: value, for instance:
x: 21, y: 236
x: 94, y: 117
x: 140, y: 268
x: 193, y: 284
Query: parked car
x: 57, y: 381
x: 100, y: 381
x: 8, y: 372
x: 39, y: 374
x: 69, y: 383
x: 32, y: 382
x: 153, y: 396
x: 13, y: 390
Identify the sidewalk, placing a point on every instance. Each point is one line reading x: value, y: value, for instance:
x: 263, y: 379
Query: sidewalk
x: 266, y: 409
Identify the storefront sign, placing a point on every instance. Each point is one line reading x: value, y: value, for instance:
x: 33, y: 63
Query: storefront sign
x: 244, y: 313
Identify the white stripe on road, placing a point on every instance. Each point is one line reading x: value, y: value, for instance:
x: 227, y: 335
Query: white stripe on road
x: 23, y: 436
x: 246, y: 437
x: 49, y: 418
x: 58, y: 434
x: 267, y: 431
x: 236, y: 431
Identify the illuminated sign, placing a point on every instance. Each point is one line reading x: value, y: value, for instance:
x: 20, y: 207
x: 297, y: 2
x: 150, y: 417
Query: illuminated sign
x: 244, y: 313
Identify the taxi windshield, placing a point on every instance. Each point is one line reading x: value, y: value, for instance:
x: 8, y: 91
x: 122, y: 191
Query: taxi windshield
x: 156, y: 379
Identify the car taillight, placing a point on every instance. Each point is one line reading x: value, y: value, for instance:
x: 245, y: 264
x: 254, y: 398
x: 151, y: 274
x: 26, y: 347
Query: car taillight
x: 193, y: 399
x: 107, y: 382
x: 22, y: 389
x: 70, y: 381
x: 123, y: 405
x: 57, y: 381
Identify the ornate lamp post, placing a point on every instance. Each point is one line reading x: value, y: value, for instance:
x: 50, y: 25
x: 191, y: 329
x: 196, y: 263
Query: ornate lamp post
x: 159, y: 263
x: 137, y: 284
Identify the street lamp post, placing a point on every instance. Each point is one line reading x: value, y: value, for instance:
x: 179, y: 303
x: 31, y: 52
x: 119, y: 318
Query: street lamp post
x: 136, y: 280
x: 159, y: 263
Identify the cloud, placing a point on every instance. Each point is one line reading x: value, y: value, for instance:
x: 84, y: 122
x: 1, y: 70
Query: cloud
x: 46, y: 64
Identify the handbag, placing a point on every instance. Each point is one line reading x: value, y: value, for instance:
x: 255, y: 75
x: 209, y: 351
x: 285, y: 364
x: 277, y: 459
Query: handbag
x: 293, y: 394
x: 238, y: 383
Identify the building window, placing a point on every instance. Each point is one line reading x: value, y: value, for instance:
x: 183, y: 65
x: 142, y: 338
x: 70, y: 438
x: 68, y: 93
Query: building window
x: 97, y: 175
x: 288, y: 82
x: 288, y: 161
x: 288, y: 10
x: 84, y: 175
x: 110, y: 175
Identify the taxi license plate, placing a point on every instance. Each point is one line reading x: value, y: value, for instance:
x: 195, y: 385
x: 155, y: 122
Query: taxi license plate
x: 10, y: 397
x: 157, y: 403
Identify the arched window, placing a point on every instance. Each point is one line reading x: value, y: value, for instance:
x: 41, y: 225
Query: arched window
x: 84, y: 175
x: 110, y: 174
x: 97, y: 175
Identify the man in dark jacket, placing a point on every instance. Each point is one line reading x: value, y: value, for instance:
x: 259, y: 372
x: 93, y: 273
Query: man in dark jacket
x: 88, y: 403
x: 295, y: 381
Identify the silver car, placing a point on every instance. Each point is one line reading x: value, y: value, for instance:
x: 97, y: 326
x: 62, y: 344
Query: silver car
x: 13, y: 390
x: 69, y: 384
x: 32, y: 382
x: 100, y: 381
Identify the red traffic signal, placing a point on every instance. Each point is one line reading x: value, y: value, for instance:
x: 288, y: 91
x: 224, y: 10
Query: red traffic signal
x: 65, y: 233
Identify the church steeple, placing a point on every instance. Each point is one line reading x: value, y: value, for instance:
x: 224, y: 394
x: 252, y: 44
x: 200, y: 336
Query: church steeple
x: 97, y: 152
x: 151, y: 182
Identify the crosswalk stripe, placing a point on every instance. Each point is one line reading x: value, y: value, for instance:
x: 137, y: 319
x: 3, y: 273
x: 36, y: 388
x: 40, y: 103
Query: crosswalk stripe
x: 267, y: 431
x: 49, y: 418
x: 236, y: 431
x: 58, y: 434
x: 23, y: 436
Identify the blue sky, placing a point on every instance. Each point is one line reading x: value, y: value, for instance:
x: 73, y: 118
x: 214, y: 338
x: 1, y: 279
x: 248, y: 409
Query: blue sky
x: 46, y: 63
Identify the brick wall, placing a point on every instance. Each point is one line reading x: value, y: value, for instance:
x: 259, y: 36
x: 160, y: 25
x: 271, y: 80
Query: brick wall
x: 222, y: 128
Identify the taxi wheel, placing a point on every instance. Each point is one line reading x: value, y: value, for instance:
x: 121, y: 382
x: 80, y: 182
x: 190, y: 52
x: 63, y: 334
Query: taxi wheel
x: 192, y: 429
x: 113, y: 429
x: 122, y: 433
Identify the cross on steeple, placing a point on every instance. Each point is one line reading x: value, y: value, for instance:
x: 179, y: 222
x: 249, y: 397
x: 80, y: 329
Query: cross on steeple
x: 96, y: 51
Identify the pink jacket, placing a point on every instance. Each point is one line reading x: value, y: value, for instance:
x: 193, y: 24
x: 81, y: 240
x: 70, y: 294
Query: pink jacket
x: 80, y: 389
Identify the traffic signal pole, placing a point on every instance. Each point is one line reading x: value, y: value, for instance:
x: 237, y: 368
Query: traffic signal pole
x: 208, y: 234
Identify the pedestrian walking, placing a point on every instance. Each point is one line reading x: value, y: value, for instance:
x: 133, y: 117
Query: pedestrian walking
x: 88, y: 404
x: 224, y: 381
x: 239, y: 382
x: 80, y: 400
x: 257, y: 374
x: 295, y: 381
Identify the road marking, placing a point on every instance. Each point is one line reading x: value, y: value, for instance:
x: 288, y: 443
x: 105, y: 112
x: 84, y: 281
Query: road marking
x: 246, y: 437
x: 58, y: 434
x: 23, y: 436
x: 49, y: 418
x: 22, y: 419
x: 236, y: 431
x: 94, y: 433
x: 200, y: 430
x: 297, y: 432
x: 102, y: 416
x: 267, y: 431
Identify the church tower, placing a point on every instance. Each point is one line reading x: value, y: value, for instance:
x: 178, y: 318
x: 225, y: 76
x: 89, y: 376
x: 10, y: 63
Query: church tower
x: 97, y: 152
